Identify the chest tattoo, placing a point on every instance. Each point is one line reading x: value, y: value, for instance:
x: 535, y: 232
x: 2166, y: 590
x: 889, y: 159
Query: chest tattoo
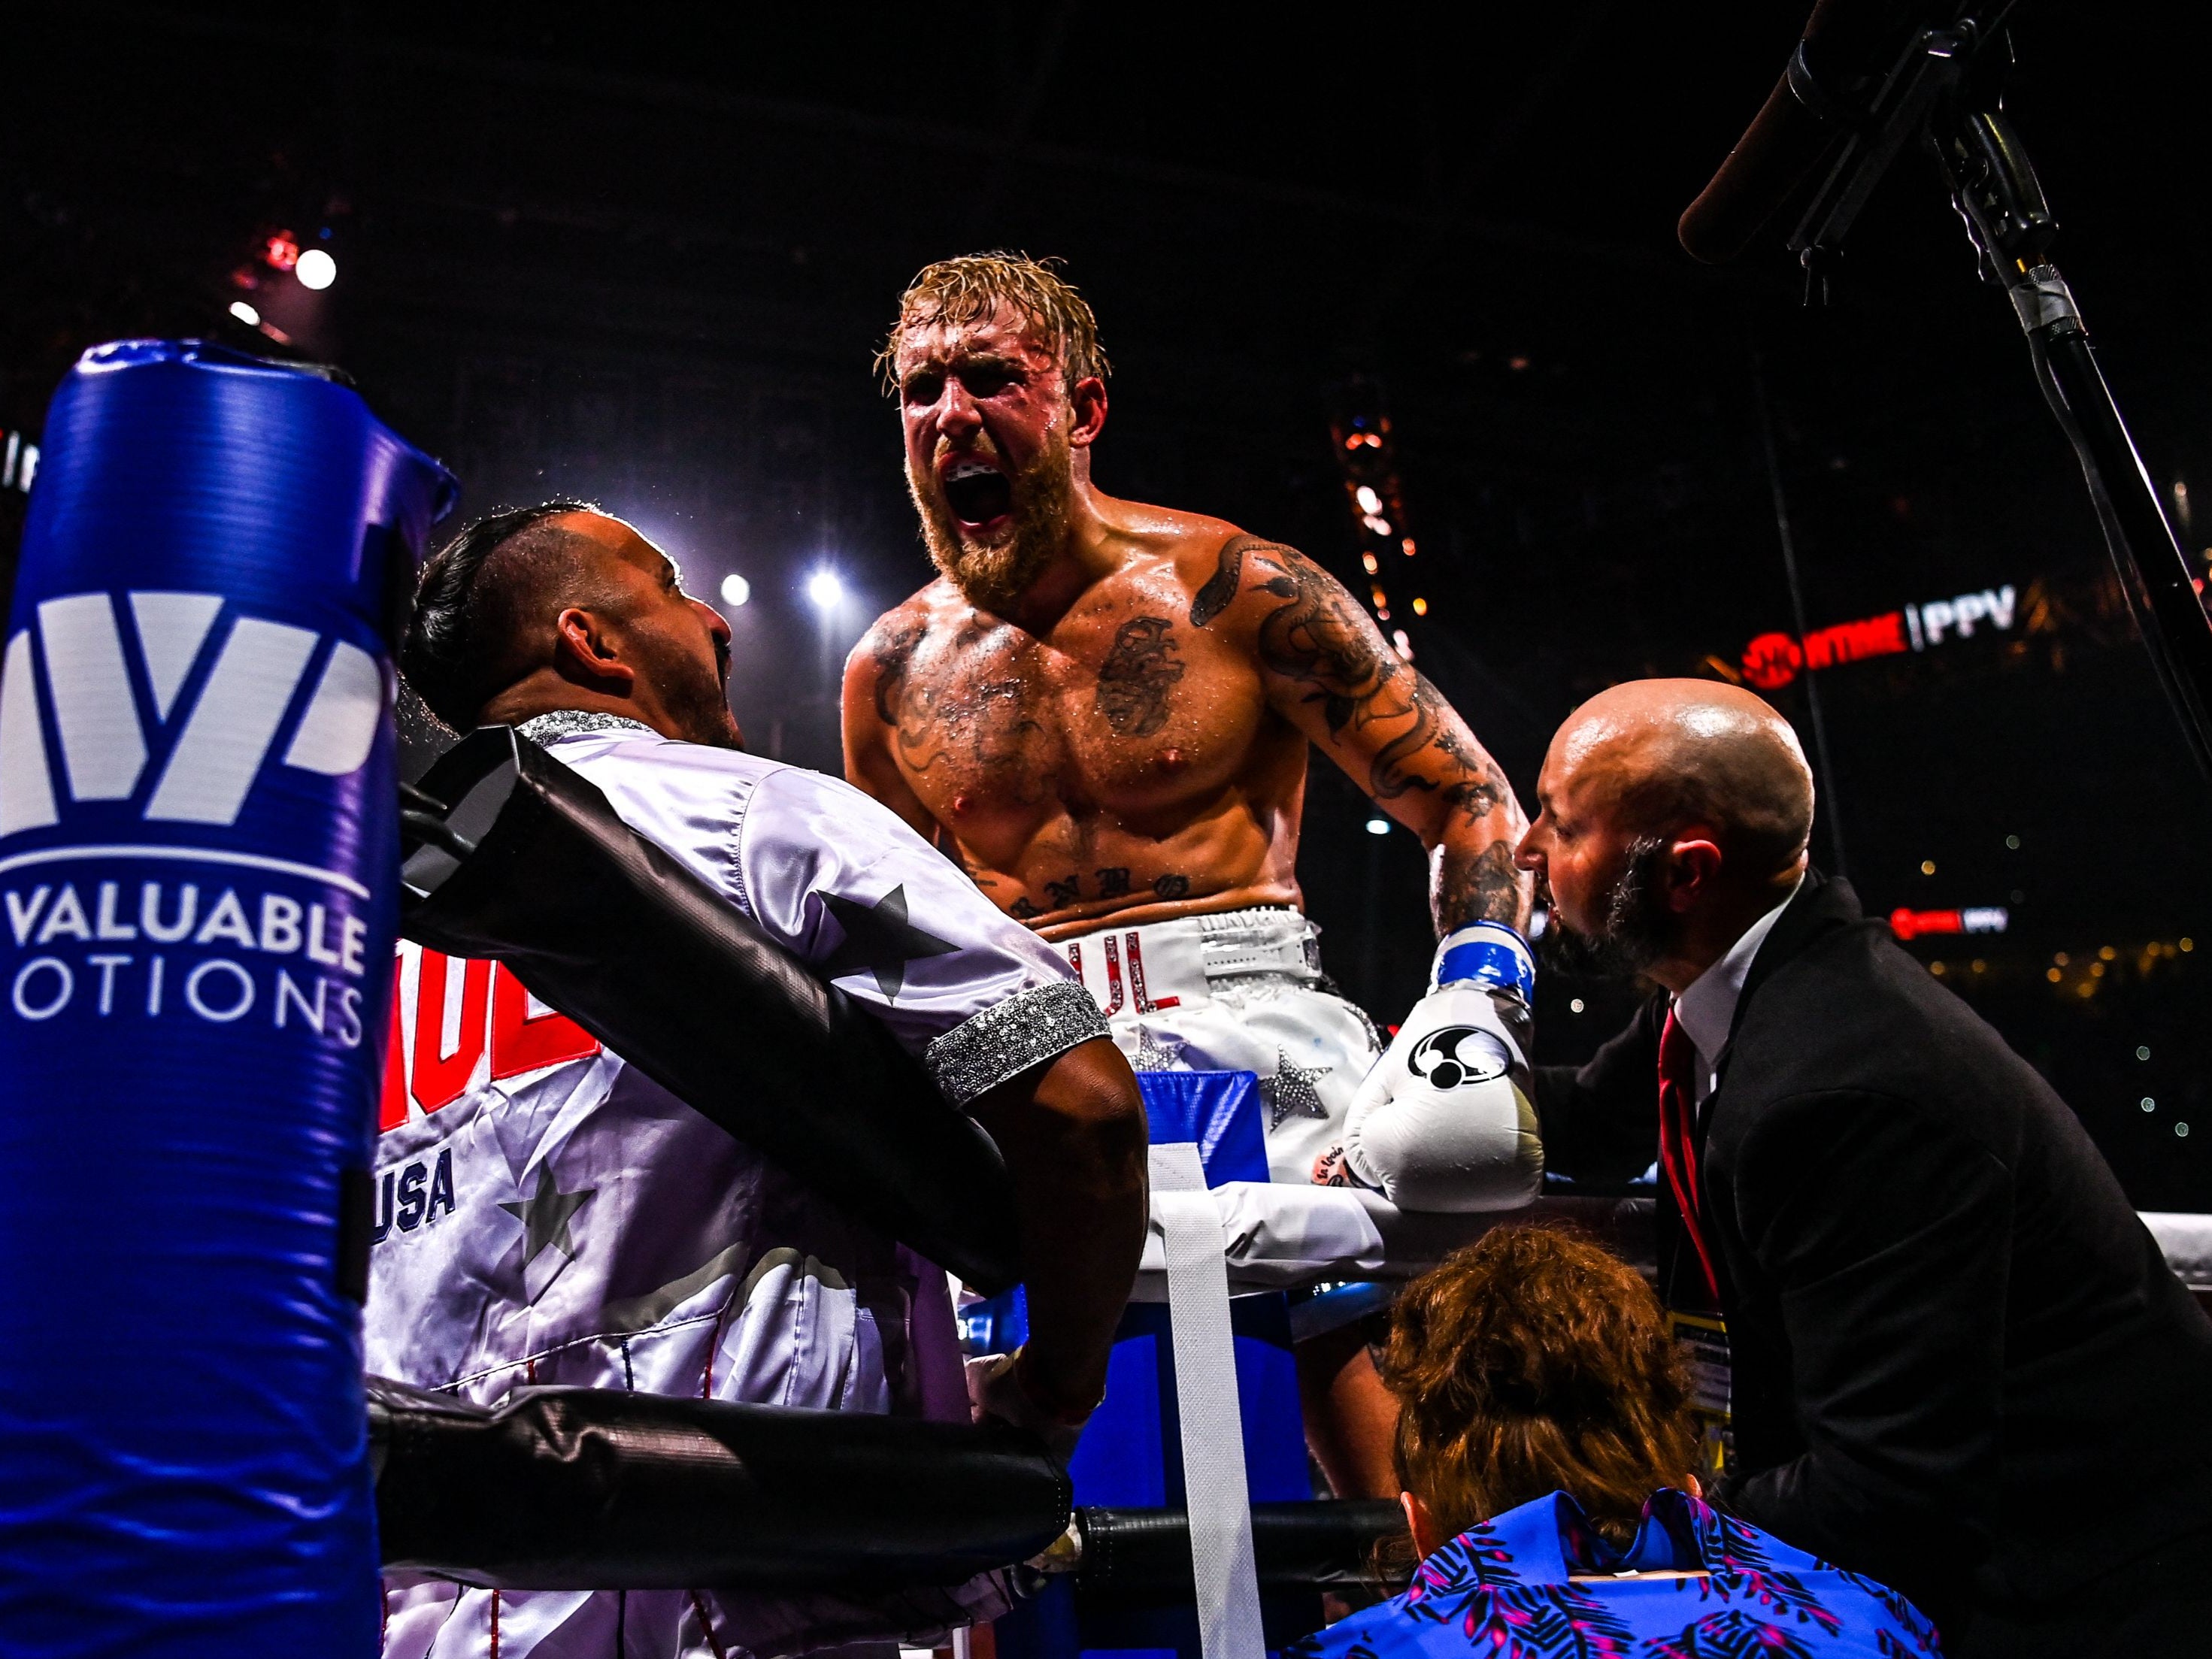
x: 982, y: 725
x: 1139, y: 673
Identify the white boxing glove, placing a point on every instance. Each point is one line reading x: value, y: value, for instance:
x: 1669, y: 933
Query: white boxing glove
x: 1444, y: 1121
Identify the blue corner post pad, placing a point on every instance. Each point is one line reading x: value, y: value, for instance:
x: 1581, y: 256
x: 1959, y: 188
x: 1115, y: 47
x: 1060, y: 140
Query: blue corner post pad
x: 1487, y: 953
x: 1219, y: 1110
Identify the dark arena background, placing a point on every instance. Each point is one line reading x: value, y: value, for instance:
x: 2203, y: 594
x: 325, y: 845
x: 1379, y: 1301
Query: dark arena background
x: 644, y: 255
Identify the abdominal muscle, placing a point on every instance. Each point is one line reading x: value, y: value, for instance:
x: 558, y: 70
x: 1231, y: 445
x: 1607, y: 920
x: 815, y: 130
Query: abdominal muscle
x: 1081, y: 869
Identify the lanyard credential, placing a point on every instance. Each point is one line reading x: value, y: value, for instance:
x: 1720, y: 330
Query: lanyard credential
x: 1705, y: 1340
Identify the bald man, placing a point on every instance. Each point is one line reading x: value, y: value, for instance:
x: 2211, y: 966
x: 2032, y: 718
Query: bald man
x: 1944, y: 1348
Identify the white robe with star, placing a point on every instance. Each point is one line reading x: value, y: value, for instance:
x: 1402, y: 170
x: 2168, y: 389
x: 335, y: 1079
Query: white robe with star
x: 546, y: 1214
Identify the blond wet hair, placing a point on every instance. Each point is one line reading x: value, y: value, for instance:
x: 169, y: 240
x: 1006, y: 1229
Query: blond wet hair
x: 972, y: 288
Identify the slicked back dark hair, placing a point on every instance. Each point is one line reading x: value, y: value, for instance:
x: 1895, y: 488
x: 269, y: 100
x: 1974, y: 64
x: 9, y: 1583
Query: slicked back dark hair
x: 460, y: 642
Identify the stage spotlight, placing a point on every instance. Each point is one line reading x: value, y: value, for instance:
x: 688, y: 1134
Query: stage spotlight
x: 316, y: 269
x: 245, y: 314
x: 1378, y: 826
x: 736, y: 590
x: 825, y: 590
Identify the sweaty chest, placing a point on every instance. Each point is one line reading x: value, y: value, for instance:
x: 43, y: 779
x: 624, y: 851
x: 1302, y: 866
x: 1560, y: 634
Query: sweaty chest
x: 1111, y: 711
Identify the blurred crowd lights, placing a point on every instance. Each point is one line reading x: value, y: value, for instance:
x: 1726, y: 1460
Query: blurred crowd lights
x: 736, y: 591
x: 19, y: 461
x: 826, y: 589
x: 1365, y: 452
x: 312, y: 268
x: 2079, y: 974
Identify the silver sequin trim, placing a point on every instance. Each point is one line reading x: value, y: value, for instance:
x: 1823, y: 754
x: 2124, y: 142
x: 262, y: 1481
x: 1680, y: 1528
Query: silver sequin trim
x: 1003, y: 1041
x: 568, y: 722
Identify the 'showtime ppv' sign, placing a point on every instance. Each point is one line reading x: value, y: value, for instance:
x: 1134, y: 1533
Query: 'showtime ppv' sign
x: 1772, y: 660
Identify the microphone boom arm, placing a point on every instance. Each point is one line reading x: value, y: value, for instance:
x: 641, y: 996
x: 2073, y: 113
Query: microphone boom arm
x: 1945, y: 88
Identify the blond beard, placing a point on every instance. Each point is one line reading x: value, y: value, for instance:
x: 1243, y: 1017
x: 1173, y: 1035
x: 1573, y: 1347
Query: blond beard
x: 994, y: 576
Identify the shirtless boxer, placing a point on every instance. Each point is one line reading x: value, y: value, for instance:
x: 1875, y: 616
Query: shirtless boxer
x: 547, y: 1215
x: 1103, y: 710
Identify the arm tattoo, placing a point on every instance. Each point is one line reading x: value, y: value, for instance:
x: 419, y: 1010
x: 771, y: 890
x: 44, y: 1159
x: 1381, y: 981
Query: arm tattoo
x: 1485, y: 888
x: 1477, y: 794
x: 1473, y: 793
x: 1321, y: 639
x: 1134, y: 681
x: 1318, y: 637
x: 1473, y: 799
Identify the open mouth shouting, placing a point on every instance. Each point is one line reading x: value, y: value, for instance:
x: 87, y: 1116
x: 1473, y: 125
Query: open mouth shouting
x: 980, y: 495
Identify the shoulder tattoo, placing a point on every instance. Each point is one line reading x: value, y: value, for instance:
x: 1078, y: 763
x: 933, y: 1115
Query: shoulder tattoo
x: 1211, y: 600
x: 892, y: 648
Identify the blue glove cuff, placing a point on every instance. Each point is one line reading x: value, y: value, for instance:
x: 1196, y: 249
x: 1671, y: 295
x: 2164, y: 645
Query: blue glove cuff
x: 1487, y: 953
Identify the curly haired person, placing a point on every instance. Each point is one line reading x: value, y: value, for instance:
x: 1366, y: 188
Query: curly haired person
x: 1544, y: 1444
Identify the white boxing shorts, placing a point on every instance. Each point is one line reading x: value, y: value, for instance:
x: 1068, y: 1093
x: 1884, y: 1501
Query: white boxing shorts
x: 1237, y: 991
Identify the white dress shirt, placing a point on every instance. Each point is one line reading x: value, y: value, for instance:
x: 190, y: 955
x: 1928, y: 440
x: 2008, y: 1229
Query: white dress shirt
x: 1706, y: 1008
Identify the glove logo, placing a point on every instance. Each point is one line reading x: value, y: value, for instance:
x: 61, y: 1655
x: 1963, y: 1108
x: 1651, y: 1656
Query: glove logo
x: 1459, y: 1055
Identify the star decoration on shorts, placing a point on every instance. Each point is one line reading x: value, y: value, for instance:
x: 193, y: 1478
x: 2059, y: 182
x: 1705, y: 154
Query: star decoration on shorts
x: 1151, y: 1055
x: 1291, y: 1091
x: 879, y: 939
x: 544, y: 1216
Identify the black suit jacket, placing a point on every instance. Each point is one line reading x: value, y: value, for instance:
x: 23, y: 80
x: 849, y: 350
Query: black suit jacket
x: 1961, y: 1363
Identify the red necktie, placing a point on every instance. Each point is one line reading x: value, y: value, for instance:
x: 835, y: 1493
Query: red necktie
x: 1678, y: 1145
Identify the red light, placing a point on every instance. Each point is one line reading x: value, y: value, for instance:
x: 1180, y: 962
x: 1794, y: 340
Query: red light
x: 280, y: 251
x: 1911, y: 924
x: 1772, y: 661
x: 1876, y: 636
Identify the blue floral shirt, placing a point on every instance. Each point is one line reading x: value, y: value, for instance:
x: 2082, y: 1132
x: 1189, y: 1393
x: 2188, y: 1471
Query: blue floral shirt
x: 1509, y: 1588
